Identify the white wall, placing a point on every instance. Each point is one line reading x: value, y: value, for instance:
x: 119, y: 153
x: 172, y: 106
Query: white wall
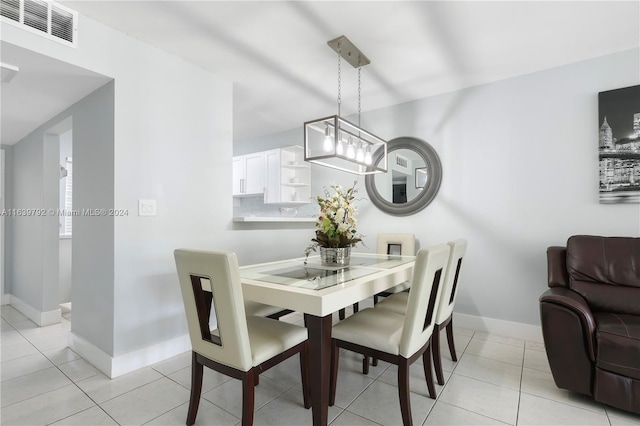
x: 64, y: 270
x: 92, y: 252
x: 2, y: 229
x: 31, y: 242
x: 520, y: 168
x: 36, y: 273
x: 520, y: 173
x: 7, y: 271
x: 171, y: 140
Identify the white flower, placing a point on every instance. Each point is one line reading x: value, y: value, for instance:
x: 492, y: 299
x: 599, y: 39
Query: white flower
x: 343, y: 228
x: 336, y: 224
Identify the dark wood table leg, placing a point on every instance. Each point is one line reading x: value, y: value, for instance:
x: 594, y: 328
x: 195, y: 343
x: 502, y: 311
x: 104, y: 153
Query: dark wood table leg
x: 320, y: 365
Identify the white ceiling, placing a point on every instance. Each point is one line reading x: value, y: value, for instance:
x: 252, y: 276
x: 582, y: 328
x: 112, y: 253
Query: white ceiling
x: 42, y: 88
x: 284, y: 73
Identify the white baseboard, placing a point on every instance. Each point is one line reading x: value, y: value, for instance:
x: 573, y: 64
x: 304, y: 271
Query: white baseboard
x: 150, y: 355
x: 499, y: 327
x: 40, y: 318
x: 90, y: 353
x: 117, y: 366
x: 6, y: 299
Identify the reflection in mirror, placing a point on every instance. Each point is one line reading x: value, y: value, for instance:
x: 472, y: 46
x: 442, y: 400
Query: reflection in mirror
x: 421, y: 177
x: 397, y: 185
x: 413, y: 179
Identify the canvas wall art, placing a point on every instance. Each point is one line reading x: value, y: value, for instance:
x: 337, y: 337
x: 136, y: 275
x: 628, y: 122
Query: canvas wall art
x: 619, y: 147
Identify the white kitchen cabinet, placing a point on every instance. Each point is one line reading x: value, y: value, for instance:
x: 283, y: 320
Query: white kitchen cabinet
x: 248, y: 174
x: 288, y: 177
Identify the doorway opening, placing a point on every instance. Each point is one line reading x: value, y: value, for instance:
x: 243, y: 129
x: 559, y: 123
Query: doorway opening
x: 62, y: 134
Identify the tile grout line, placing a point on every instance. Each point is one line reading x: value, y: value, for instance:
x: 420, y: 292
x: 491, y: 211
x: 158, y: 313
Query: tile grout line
x: 165, y: 375
x: 482, y: 381
x: 342, y: 351
x: 189, y: 390
x: 524, y: 355
x: 446, y: 383
x: 607, y: 412
x: 53, y: 364
x: 604, y: 406
x: 88, y: 396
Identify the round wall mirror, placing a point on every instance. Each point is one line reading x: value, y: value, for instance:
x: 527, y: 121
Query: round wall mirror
x: 413, y: 177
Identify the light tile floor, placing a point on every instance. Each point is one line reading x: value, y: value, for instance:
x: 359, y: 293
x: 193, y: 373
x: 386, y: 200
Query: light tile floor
x: 497, y: 380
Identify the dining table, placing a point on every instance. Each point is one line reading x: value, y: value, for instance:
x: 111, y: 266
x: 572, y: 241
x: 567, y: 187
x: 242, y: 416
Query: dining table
x: 307, y: 286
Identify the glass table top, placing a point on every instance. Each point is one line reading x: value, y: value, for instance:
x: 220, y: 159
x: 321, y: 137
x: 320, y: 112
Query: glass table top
x: 378, y: 261
x: 313, y: 275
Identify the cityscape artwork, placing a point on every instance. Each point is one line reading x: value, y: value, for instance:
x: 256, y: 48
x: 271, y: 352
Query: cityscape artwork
x: 619, y: 148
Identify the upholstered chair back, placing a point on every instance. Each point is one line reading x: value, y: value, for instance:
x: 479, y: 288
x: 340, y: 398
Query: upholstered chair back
x: 426, y: 287
x: 387, y: 244
x: 450, y: 287
x: 212, y: 278
x: 606, y: 272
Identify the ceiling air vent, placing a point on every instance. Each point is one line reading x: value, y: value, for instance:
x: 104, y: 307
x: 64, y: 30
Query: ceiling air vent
x: 402, y: 161
x: 47, y: 18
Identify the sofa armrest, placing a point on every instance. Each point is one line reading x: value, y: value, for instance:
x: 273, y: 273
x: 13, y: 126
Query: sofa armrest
x: 557, y: 267
x: 568, y: 329
x: 575, y: 303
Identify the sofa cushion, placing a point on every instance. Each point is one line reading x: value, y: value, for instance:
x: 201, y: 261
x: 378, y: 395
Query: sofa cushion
x: 608, y: 260
x: 618, y: 341
x: 606, y: 272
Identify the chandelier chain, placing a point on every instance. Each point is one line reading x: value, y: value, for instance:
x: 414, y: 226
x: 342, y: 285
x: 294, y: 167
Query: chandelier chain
x: 339, y: 50
x: 359, y: 90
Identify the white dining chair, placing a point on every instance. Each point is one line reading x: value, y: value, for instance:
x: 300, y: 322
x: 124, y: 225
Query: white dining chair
x: 263, y: 310
x: 257, y: 309
x: 399, y: 244
x: 396, y: 338
x: 240, y: 347
x: 444, y: 315
x: 402, y: 244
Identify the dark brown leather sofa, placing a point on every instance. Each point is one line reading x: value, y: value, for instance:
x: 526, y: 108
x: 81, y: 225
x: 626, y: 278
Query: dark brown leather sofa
x: 591, y: 318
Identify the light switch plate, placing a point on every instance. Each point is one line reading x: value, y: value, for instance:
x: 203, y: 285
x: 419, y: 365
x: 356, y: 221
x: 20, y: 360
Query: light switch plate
x: 146, y: 207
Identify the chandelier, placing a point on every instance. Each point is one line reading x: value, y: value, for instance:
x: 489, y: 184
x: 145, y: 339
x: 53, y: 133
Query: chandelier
x: 337, y: 143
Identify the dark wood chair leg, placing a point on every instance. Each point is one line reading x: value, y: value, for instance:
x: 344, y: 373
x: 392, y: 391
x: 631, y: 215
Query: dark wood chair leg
x: 428, y: 375
x: 256, y: 381
x: 248, y: 395
x: 375, y: 299
x: 304, y: 372
x: 452, y: 346
x: 341, y: 314
x: 196, y: 389
x: 403, y: 392
x: 333, y: 379
x: 435, y: 351
x: 356, y: 307
x: 365, y: 365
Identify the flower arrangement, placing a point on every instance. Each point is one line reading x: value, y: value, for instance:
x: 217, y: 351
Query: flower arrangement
x: 336, y: 226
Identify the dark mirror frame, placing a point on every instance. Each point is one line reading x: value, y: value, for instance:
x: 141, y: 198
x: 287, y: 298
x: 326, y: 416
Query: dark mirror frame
x: 434, y: 172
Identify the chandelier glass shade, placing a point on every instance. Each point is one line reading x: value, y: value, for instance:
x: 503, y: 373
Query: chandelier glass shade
x: 352, y: 150
x: 337, y: 143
